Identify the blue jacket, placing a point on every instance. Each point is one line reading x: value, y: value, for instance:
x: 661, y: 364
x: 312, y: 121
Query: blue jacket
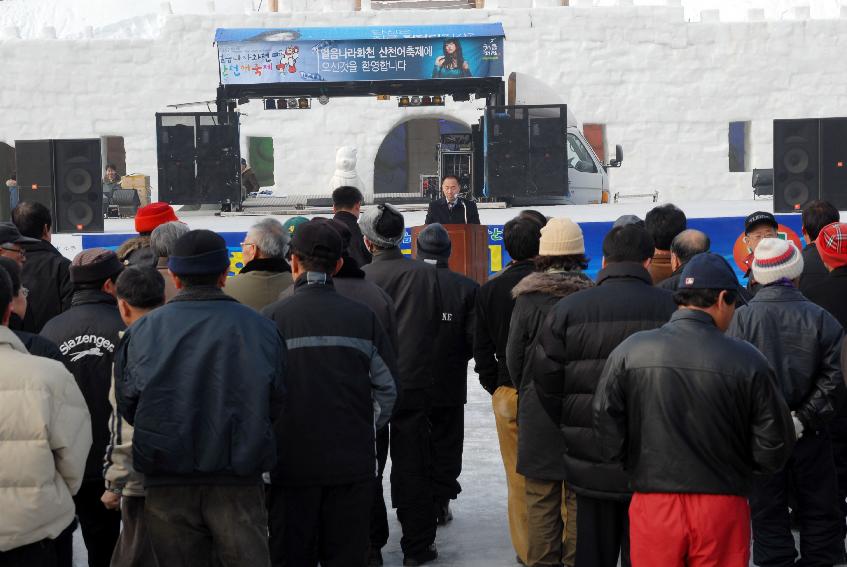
x: 200, y: 379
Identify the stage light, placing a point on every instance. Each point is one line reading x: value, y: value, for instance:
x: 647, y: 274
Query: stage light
x: 404, y: 101
x: 416, y: 100
x: 281, y: 103
x: 383, y: 97
x: 291, y: 102
x: 270, y: 104
x: 304, y: 102
x: 438, y: 100
x: 323, y: 99
x: 426, y: 101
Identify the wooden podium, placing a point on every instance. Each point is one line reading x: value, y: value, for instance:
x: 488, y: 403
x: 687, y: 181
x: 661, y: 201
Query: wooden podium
x: 469, y: 254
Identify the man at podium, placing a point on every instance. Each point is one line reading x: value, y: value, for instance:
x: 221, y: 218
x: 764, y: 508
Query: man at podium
x: 452, y: 209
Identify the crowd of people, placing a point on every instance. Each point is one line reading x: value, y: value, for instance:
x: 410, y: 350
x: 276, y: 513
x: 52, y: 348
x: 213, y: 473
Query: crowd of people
x: 659, y: 414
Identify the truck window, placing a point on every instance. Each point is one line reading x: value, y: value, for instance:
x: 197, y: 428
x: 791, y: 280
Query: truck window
x: 578, y: 153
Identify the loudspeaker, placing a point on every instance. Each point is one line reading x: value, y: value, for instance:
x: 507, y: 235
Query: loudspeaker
x: 34, y: 164
x: 78, y: 186
x: 833, y: 136
x: 796, y: 164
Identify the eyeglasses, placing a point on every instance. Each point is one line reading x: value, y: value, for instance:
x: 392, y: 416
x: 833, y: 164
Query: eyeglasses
x: 243, y: 244
x: 20, y: 251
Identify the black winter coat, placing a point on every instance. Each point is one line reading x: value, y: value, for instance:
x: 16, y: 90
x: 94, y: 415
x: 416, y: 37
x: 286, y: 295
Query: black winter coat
x: 689, y: 410
x: 200, y: 379
x: 87, y: 335
x: 356, y: 249
x: 413, y: 286
x: 463, y: 212
x: 831, y: 294
x: 40, y: 346
x: 494, y: 304
x: 541, y: 445
x: 581, y: 332
x: 45, y: 274
x: 814, y: 272
x: 802, y: 342
x: 454, y: 343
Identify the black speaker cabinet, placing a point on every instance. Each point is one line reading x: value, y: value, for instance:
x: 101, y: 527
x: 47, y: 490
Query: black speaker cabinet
x: 833, y: 152
x: 78, y: 186
x: 34, y: 165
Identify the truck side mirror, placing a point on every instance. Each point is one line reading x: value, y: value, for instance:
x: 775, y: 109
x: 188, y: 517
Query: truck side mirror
x: 618, y: 157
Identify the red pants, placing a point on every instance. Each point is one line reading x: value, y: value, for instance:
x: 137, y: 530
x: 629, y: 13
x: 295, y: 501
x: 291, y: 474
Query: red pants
x: 689, y: 530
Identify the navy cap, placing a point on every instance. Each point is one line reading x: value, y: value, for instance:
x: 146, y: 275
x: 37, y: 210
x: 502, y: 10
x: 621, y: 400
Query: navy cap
x: 759, y: 217
x: 707, y: 270
x: 318, y: 237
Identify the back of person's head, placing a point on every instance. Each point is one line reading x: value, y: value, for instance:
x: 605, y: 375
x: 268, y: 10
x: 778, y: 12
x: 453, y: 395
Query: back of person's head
x: 346, y: 197
x: 318, y: 246
x: 90, y: 269
x: 164, y: 236
x: 537, y: 216
x: 270, y: 237
x: 521, y: 237
x: 663, y: 223
x: 11, y: 267
x: 689, y: 243
x: 5, y: 295
x: 141, y: 287
x: 704, y: 278
x: 816, y: 215
x: 199, y: 258
x: 628, y: 243
x: 384, y: 226
x: 31, y: 219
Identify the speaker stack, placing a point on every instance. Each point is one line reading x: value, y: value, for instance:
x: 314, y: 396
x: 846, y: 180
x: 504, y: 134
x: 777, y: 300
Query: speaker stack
x: 809, y: 163
x: 65, y: 177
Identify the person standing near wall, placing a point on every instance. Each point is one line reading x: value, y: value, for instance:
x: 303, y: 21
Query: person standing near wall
x: 493, y: 313
x: 815, y: 216
x: 551, y: 503
x: 249, y: 182
x: 111, y: 181
x: 663, y: 223
x: 347, y: 206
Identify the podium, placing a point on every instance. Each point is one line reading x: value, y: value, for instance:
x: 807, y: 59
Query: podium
x: 469, y: 254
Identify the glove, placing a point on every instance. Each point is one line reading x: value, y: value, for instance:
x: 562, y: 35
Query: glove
x: 798, y: 425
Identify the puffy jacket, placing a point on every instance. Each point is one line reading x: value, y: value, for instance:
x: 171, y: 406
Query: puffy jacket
x: 45, y: 437
x: 356, y: 249
x: 413, y: 286
x: 117, y: 468
x: 45, y: 274
x: 454, y: 343
x: 494, y: 304
x: 802, y: 341
x: 540, y: 442
x: 201, y: 359
x: 87, y: 336
x: 260, y: 282
x: 690, y: 410
x: 580, y: 333
x: 341, y: 367
x: 814, y: 271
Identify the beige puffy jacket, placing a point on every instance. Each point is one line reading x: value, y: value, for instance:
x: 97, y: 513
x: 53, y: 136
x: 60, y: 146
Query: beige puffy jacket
x: 120, y: 476
x: 45, y: 436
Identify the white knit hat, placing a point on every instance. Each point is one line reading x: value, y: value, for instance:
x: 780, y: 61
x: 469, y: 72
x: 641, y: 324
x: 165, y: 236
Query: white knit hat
x: 561, y: 237
x: 775, y: 259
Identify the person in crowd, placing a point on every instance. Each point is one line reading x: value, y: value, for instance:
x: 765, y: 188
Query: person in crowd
x: 624, y: 220
x: 139, y: 291
x: 802, y: 342
x: 534, y: 215
x: 684, y: 246
x: 691, y: 426
x: 414, y: 288
x: 249, y: 182
x: 830, y: 293
x: 265, y: 273
x: 35, y: 344
x: 87, y: 335
x: 46, y: 273
x: 757, y: 226
x: 149, y: 217
x: 347, y: 206
x: 45, y: 437
x: 551, y: 504
x: 663, y: 223
x: 449, y: 391
x: 816, y: 215
x: 111, y: 180
x: 231, y: 363
x: 452, y: 209
x: 578, y: 336
x: 341, y: 365
x: 14, y: 195
x: 137, y: 251
x: 493, y: 313
x: 162, y: 241
x: 11, y: 243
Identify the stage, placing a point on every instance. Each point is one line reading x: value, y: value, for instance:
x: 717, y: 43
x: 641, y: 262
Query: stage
x: 723, y: 221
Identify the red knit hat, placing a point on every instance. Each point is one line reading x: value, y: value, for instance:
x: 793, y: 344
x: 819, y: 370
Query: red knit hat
x: 149, y: 217
x: 832, y: 244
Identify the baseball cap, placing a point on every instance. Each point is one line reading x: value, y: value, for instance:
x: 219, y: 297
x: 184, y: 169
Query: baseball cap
x: 759, y: 217
x: 9, y: 233
x: 318, y: 237
x: 707, y: 270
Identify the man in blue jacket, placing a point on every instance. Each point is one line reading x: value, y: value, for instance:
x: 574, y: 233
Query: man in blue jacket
x: 200, y: 380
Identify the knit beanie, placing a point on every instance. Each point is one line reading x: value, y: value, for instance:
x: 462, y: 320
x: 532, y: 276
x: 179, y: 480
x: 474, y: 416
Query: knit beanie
x: 199, y: 253
x: 775, y: 259
x: 384, y: 225
x: 94, y: 265
x: 832, y: 244
x: 149, y: 217
x: 561, y: 237
x: 434, y: 243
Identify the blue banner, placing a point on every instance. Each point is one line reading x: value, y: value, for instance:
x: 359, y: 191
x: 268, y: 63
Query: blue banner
x: 256, y: 56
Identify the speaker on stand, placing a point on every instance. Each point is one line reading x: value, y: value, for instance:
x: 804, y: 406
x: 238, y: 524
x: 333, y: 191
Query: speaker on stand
x: 796, y: 164
x: 78, y: 186
x: 34, y: 165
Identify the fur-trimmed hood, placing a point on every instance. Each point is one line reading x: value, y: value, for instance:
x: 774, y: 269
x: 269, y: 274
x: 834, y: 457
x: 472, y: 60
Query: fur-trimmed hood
x: 558, y: 284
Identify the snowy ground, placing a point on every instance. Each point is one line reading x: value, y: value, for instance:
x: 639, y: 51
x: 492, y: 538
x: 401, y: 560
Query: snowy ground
x: 478, y: 536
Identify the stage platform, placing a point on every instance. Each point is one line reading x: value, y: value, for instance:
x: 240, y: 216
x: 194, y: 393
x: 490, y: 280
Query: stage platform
x: 723, y: 221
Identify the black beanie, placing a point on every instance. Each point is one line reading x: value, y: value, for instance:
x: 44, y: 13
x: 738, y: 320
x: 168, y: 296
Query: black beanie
x: 434, y: 242
x: 199, y: 252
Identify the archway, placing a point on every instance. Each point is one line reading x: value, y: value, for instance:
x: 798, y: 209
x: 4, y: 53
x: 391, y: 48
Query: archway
x: 410, y: 150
